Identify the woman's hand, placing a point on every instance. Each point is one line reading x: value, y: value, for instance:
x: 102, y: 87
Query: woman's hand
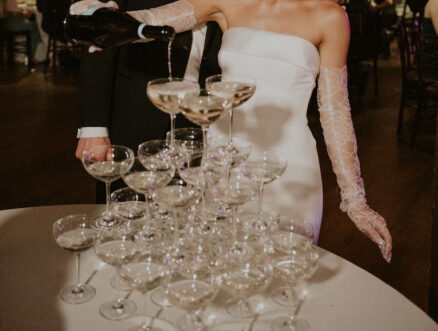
x: 82, y: 6
x: 374, y: 226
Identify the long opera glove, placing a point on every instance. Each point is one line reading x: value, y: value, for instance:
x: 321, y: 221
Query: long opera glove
x: 340, y: 139
x: 179, y: 14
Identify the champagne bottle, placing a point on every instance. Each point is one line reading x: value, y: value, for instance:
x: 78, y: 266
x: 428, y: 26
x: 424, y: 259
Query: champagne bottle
x: 109, y: 27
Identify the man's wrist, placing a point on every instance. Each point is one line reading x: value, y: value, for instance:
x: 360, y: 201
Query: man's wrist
x: 92, y: 132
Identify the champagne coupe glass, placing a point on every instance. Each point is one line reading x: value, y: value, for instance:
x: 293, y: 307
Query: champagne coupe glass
x: 237, y: 89
x: 115, y: 247
x: 244, y: 280
x: 296, y: 261
x: 144, y: 177
x: 177, y: 197
x: 107, y: 163
x: 190, y: 138
x: 73, y: 233
x: 203, y: 109
x: 192, y: 292
x: 220, y: 154
x: 166, y: 93
x: 144, y: 274
x: 263, y: 168
x: 236, y: 190
x: 128, y: 204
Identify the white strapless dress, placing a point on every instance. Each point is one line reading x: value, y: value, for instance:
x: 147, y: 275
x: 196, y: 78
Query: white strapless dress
x: 275, y: 118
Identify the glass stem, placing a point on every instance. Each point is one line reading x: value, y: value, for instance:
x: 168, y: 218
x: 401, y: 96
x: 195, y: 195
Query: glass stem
x: 146, y: 325
x: 146, y: 208
x: 172, y: 129
x: 230, y: 129
x: 78, y: 269
x: 108, y: 196
x: 234, y: 210
x: 261, y: 187
x: 205, y: 145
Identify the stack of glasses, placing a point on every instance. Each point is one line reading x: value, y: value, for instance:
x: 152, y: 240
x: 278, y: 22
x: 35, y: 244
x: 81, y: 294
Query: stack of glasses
x: 180, y: 226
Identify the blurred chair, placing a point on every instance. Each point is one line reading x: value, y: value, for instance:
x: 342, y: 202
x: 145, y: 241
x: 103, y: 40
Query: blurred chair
x: 419, y: 70
x: 16, y: 42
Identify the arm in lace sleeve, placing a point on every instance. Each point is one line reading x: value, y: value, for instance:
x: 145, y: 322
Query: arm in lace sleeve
x: 179, y: 14
x: 341, y: 144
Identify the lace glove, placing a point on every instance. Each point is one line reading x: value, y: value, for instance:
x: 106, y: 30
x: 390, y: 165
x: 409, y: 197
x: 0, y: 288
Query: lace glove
x: 180, y: 14
x: 340, y: 140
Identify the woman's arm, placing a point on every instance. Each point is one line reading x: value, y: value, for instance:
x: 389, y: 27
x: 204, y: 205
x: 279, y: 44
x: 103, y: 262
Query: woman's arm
x: 338, y: 129
x: 183, y: 15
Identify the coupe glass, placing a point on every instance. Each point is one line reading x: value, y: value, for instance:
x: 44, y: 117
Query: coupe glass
x: 107, y: 163
x: 144, y: 177
x: 244, y: 280
x: 73, y: 233
x: 192, y: 292
x: 128, y: 204
x: 116, y: 247
x: 203, y: 109
x: 143, y: 275
x: 220, y: 153
x: 263, y: 168
x: 166, y: 93
x: 233, y: 191
x: 237, y: 89
x: 190, y: 138
x: 295, y: 261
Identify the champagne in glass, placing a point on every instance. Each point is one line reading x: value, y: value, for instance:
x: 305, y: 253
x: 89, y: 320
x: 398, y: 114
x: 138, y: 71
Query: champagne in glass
x: 74, y: 234
x: 116, y: 247
x: 144, y: 275
x: 166, y: 94
x: 107, y: 163
x: 234, y: 88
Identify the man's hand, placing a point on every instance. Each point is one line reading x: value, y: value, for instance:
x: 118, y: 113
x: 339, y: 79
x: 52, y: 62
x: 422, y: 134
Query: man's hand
x: 88, y: 143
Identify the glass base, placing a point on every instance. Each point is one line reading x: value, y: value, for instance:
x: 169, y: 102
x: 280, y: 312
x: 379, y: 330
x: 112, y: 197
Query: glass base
x: 104, y: 221
x: 259, y: 224
x: 75, y: 294
x: 117, y: 310
x: 147, y: 327
x: 117, y: 283
x: 191, y: 322
x: 159, y: 298
x: 287, y: 324
x: 284, y: 296
x: 240, y: 308
x: 240, y: 252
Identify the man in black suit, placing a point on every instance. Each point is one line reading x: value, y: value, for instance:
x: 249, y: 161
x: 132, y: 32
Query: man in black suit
x: 113, y: 85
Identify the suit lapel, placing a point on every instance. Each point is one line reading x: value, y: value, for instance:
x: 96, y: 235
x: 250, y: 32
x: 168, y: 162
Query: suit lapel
x: 210, y: 64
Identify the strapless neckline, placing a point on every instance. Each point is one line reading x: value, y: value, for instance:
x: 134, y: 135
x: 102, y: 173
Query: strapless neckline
x: 312, y: 46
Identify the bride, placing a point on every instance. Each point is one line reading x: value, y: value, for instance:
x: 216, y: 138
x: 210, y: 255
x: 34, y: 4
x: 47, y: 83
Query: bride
x: 286, y: 45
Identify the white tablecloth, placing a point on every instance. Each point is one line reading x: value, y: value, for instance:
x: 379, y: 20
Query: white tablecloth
x: 343, y: 297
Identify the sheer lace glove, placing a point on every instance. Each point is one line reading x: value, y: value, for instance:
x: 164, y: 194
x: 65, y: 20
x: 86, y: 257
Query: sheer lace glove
x: 341, y: 145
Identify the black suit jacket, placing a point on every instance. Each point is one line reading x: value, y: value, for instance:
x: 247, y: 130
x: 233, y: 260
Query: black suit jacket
x: 113, y: 82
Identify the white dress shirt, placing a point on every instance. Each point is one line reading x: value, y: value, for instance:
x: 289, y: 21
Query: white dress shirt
x: 192, y: 72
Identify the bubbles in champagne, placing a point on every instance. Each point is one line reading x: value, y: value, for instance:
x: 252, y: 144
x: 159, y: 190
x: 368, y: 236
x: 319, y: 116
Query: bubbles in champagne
x: 107, y: 171
x: 166, y: 96
x: 143, y: 181
x: 76, y: 239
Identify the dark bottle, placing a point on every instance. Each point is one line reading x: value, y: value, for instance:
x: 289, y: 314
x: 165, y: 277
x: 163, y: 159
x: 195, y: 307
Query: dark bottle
x: 109, y: 27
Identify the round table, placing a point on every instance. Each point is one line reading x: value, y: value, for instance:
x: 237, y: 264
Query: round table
x: 33, y: 269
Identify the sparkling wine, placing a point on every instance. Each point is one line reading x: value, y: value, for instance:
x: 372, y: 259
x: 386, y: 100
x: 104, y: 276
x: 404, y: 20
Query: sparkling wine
x: 116, y: 252
x: 143, y: 181
x: 167, y: 95
x: 290, y: 243
x: 202, y: 113
x: 109, y: 27
x: 129, y: 209
x: 238, y: 92
x: 143, y: 276
x: 77, y: 239
x: 292, y: 268
x: 190, y: 294
x: 264, y: 172
x: 176, y: 196
x: 107, y: 171
x: 242, y: 283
